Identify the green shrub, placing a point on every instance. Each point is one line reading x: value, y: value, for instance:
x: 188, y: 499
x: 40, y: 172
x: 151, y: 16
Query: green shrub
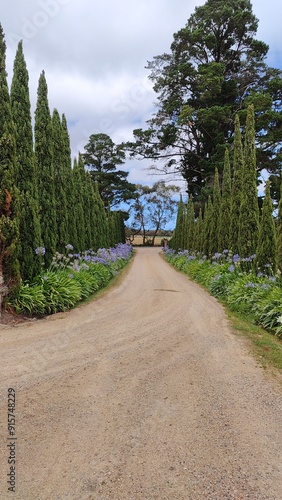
x: 60, y: 291
x: 28, y: 299
x: 102, y: 273
x: 269, y: 312
x: 88, y: 282
x: 219, y: 283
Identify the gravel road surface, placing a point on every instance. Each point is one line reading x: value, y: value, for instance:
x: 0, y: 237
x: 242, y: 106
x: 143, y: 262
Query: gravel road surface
x: 144, y: 393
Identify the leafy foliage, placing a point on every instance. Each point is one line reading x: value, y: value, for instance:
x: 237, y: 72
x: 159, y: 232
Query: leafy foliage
x: 69, y: 279
x: 214, y: 69
x: 102, y: 157
x: 258, y: 295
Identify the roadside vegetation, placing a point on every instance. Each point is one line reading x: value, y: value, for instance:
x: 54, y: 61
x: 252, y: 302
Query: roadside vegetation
x: 69, y: 279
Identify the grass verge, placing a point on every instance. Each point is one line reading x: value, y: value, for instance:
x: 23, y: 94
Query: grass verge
x: 266, y: 347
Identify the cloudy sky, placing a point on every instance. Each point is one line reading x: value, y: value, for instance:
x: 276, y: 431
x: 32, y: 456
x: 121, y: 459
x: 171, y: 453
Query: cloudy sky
x: 94, y: 55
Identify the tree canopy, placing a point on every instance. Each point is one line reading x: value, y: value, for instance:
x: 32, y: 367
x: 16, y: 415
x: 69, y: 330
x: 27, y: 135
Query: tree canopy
x: 215, y: 69
x: 102, y: 157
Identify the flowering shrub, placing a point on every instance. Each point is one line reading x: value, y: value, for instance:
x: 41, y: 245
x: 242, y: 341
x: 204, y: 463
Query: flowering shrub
x: 235, y: 281
x: 70, y: 278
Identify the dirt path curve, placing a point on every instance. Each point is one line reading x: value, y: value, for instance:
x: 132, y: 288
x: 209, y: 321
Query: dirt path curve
x: 142, y: 394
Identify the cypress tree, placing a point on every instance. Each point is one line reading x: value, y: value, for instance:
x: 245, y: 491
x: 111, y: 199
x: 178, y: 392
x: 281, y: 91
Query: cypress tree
x: 225, y: 212
x: 279, y: 233
x: 190, y: 225
x: 199, y: 233
x: 87, y: 198
x: 113, y: 236
x: 207, y: 221
x: 79, y: 206
x: 120, y: 226
x: 29, y: 225
x: 61, y: 182
x: 184, y: 237
x: 214, y: 223
x: 238, y: 165
x: 178, y: 237
x: 9, y: 222
x: 249, y: 211
x: 69, y: 186
x: 267, y: 245
x: 45, y: 170
x: 102, y: 221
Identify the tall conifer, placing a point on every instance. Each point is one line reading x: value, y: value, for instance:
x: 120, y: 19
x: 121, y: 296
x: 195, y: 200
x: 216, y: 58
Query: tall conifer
x: 190, y: 225
x: 9, y: 223
x: 225, y: 211
x: 29, y: 225
x: 279, y: 232
x: 267, y: 245
x: 45, y: 170
x: 69, y: 187
x: 102, y: 220
x: 207, y: 222
x: 199, y: 233
x: 78, y: 176
x: 61, y: 183
x: 249, y: 211
x: 214, y: 223
x: 238, y: 165
x: 178, y: 237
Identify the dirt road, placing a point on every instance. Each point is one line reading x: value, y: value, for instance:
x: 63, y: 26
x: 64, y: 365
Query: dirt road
x: 144, y: 393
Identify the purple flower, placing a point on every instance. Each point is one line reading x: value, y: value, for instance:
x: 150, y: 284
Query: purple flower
x: 69, y: 246
x: 265, y: 286
x: 236, y: 258
x: 40, y: 251
x: 261, y: 275
x: 250, y: 285
x: 217, y: 255
x: 231, y: 268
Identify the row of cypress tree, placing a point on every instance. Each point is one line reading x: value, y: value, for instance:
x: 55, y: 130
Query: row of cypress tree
x: 231, y: 219
x: 45, y: 201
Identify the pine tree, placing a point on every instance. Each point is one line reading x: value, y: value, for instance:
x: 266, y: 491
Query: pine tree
x: 267, y: 245
x: 214, y: 223
x: 9, y: 223
x: 45, y: 170
x: 249, y: 211
x: 29, y: 225
x: 238, y: 166
x: 225, y: 212
x: 61, y: 183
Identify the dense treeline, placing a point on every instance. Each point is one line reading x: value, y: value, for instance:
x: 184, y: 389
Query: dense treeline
x: 46, y: 203
x: 231, y: 220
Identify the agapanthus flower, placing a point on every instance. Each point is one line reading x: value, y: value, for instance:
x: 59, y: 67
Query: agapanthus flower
x: 40, y: 251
